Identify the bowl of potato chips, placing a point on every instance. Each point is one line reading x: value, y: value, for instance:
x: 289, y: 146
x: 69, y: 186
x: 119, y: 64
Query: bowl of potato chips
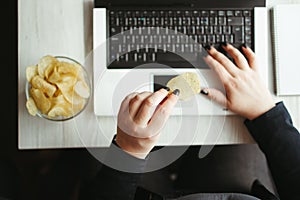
x: 58, y: 88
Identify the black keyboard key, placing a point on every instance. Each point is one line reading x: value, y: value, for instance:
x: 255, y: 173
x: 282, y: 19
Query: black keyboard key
x: 199, y: 30
x: 248, y: 30
x: 121, y: 58
x: 112, y: 21
x: 230, y: 13
x: 202, y: 39
x: 248, y: 21
x: 204, y: 21
x: 170, y: 13
x: 229, y: 38
x: 213, y: 13
x: 115, y: 30
x: 188, y: 13
x: 247, y: 13
x: 235, y: 21
x: 189, y: 30
x: 213, y: 21
x: 221, y: 13
x: 196, y: 13
x: 211, y: 39
x: 170, y: 57
x: 218, y: 30
x: 227, y: 29
x: 238, y: 13
x: 204, y: 13
x: 222, y: 20
x: 209, y: 30
x: 220, y: 38
x: 248, y: 39
x: 239, y: 35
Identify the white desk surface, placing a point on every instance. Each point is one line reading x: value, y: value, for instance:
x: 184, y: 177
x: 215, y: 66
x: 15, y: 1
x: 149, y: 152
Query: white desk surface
x: 64, y: 27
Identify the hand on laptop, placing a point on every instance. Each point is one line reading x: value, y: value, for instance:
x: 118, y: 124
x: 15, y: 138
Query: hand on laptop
x: 246, y: 94
x: 141, y: 118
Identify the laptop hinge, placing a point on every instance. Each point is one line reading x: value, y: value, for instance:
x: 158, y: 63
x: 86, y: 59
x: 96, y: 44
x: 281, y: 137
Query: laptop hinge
x: 179, y: 3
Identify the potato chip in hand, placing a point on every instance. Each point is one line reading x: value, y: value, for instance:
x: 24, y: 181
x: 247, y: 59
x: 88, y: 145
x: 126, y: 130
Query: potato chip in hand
x: 188, y: 83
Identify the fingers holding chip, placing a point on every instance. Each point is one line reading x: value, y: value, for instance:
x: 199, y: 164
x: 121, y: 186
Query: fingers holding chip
x: 188, y: 83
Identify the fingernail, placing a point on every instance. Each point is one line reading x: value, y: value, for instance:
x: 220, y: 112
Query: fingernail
x: 176, y: 92
x: 207, y: 47
x: 166, y: 88
x: 224, y: 44
x: 245, y: 45
x: 203, y: 91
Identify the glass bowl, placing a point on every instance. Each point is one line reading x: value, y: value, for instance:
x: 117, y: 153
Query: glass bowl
x: 73, y: 112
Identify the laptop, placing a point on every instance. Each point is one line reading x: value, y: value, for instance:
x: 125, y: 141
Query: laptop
x: 140, y: 45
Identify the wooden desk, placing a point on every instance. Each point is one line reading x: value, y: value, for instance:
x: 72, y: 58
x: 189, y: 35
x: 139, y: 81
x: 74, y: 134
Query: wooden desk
x: 64, y: 27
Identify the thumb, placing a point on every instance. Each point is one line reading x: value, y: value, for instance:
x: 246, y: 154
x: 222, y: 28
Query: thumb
x: 215, y: 95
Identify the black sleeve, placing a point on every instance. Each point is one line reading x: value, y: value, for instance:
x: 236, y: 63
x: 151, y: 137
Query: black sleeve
x: 118, y: 177
x: 280, y: 141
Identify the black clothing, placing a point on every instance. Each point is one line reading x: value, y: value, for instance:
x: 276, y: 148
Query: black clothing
x: 273, y: 131
x: 280, y: 141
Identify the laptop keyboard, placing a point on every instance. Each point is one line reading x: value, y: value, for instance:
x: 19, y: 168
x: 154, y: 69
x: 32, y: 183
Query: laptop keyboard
x: 174, y: 37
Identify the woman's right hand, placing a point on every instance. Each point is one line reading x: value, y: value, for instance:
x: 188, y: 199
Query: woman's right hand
x: 141, y: 118
x: 246, y: 94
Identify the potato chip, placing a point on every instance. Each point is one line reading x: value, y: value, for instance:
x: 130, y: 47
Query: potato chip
x: 31, y: 107
x: 39, y: 83
x: 60, y: 107
x: 40, y: 99
x: 31, y: 71
x: 58, y: 111
x: 73, y: 98
x: 54, y: 77
x: 58, y: 99
x: 188, y: 83
x: 49, y: 70
x: 45, y: 62
x: 58, y: 88
x: 57, y: 93
x: 68, y: 80
x: 67, y: 68
x: 82, y: 89
x: 69, y: 94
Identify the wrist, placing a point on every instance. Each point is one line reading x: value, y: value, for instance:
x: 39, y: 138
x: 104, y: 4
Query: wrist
x: 256, y: 113
x: 132, y: 145
x: 128, y: 149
